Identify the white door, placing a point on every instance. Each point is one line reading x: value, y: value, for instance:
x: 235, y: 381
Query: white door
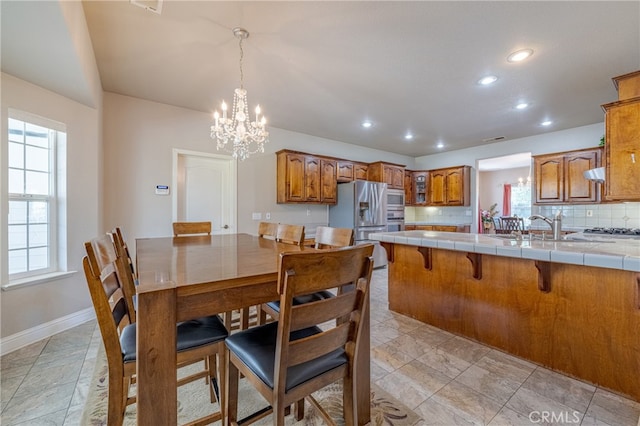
x: 205, y: 190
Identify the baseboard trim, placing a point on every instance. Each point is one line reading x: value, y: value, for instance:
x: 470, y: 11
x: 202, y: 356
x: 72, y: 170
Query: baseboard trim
x: 42, y: 331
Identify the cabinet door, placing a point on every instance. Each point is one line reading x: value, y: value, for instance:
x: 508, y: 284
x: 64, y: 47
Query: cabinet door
x: 387, y: 175
x: 312, y: 181
x: 360, y: 171
x: 437, y: 185
x: 408, y: 188
x: 623, y: 151
x: 397, y: 177
x: 420, y: 188
x: 454, y: 187
x: 549, y: 179
x: 345, y: 171
x: 295, y: 168
x: 578, y: 189
x: 329, y: 181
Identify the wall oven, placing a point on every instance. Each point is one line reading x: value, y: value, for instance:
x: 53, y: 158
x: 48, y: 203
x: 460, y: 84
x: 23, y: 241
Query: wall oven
x: 395, y: 218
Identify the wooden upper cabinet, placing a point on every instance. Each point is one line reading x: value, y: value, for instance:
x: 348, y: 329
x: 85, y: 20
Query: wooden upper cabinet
x: 549, y: 178
x: 408, y: 188
x: 312, y: 179
x: 304, y: 178
x: 559, y: 178
x: 345, y: 171
x: 622, y: 141
x: 360, y: 171
x: 328, y: 176
x: 449, y: 187
x: 419, y: 181
x: 392, y: 174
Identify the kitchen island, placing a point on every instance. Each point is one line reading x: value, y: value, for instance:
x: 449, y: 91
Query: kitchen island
x: 572, y: 306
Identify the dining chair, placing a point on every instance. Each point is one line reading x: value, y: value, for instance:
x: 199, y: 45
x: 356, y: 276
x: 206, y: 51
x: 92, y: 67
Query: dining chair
x: 326, y: 237
x: 129, y: 280
x: 267, y: 230
x: 196, y: 339
x: 510, y: 224
x: 189, y: 228
x: 290, y: 234
x: 289, y: 359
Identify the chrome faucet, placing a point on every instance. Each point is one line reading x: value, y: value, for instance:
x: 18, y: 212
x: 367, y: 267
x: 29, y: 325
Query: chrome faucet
x: 555, y: 223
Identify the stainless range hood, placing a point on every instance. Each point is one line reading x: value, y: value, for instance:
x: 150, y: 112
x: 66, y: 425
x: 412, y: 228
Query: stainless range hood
x: 596, y: 175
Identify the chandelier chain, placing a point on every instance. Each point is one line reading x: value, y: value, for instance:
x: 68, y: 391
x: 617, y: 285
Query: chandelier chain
x: 241, y: 57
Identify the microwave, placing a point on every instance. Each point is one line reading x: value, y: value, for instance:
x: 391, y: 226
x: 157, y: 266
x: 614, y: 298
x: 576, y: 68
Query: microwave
x: 395, y: 197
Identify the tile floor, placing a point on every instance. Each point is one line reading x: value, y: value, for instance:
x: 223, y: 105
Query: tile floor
x: 446, y: 379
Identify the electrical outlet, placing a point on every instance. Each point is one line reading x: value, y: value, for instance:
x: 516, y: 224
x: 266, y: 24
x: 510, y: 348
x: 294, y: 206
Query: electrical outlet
x: 308, y: 212
x: 267, y: 215
x: 589, y: 213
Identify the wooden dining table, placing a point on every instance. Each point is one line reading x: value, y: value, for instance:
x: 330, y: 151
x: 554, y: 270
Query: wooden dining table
x: 181, y: 278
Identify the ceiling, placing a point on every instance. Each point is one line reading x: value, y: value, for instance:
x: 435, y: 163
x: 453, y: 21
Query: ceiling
x: 321, y: 68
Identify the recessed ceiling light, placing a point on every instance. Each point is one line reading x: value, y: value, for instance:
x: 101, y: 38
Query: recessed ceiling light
x: 546, y: 123
x: 520, y: 55
x: 488, y: 80
x: 367, y: 124
x: 522, y: 105
x: 408, y: 136
x: 440, y: 145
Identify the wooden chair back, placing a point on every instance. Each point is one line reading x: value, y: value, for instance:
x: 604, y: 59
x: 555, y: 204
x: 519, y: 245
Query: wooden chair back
x: 190, y: 228
x: 129, y: 279
x: 109, y: 301
x: 301, y: 273
x: 268, y: 230
x: 290, y: 234
x: 509, y: 224
x: 328, y: 237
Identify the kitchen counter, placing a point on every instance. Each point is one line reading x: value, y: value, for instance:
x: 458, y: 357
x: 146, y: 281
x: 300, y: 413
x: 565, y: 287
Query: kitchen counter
x: 621, y: 254
x: 572, y: 306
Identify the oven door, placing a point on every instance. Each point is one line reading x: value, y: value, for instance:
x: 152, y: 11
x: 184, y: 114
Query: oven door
x: 395, y: 226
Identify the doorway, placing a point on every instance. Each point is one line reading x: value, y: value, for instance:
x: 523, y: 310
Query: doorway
x: 205, y: 190
x: 494, y: 173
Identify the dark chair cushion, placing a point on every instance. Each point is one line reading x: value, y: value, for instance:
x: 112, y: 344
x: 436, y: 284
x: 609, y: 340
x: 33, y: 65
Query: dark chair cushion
x: 301, y: 300
x: 190, y: 334
x: 256, y: 347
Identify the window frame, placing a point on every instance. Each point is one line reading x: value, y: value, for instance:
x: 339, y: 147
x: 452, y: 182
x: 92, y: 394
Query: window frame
x: 54, y: 135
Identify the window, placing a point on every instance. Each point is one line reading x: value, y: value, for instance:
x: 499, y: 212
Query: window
x: 521, y: 201
x: 32, y: 224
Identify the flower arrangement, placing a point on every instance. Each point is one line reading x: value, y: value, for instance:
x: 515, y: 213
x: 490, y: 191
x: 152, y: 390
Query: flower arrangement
x: 487, y: 215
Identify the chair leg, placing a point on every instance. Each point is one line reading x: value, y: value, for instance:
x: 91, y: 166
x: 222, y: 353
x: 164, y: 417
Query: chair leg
x: 117, y: 398
x: 348, y: 400
x: 299, y: 409
x: 222, y: 374
x: 231, y: 387
x: 211, y: 368
x: 278, y: 413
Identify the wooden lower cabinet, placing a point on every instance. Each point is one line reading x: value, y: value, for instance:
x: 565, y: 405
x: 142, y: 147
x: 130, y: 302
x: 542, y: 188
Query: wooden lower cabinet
x: 586, y: 325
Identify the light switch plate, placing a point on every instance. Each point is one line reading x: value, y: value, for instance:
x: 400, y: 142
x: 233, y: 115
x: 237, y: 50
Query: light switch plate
x: 256, y: 216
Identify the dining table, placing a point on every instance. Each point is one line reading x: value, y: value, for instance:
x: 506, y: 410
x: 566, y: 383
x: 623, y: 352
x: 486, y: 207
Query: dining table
x: 181, y: 278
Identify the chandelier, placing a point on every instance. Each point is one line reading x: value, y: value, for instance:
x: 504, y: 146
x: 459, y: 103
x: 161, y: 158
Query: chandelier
x: 238, y: 134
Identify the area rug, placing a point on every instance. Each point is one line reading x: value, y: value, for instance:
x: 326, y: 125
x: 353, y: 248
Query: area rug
x: 193, y: 402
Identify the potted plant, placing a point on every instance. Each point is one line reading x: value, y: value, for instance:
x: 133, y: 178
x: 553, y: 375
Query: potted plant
x: 487, y: 217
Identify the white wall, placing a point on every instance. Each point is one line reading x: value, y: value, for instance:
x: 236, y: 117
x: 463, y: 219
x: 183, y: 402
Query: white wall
x: 139, y: 137
x: 491, y: 189
x: 32, y: 306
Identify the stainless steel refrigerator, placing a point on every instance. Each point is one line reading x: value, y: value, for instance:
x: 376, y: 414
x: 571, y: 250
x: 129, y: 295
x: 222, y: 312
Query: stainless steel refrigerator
x: 362, y: 206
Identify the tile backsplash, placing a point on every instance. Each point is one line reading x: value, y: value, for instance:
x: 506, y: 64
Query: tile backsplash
x: 620, y: 215
x: 623, y: 215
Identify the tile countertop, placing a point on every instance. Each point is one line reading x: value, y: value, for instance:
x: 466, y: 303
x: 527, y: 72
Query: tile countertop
x: 621, y: 254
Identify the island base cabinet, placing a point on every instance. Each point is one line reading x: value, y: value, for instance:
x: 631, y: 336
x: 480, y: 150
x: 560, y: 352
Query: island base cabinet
x: 587, y: 325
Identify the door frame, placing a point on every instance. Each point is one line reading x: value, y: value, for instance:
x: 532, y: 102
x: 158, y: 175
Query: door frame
x: 233, y: 181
